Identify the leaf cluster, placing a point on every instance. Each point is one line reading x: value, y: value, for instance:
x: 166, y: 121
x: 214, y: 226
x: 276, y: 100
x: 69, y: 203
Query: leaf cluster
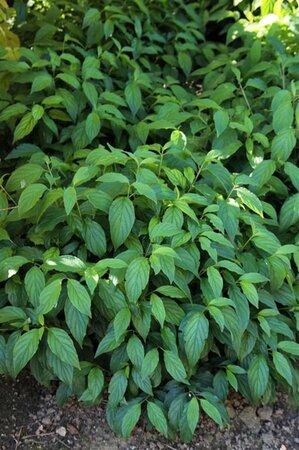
x: 149, y: 206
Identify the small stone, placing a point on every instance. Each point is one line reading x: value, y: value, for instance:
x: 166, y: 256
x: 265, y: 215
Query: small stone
x: 296, y: 440
x: 267, y: 438
x: 231, y: 412
x: 61, y: 431
x: 265, y: 413
x: 46, y: 421
x: 71, y: 429
x: 250, y: 419
x: 279, y: 412
x: 40, y: 430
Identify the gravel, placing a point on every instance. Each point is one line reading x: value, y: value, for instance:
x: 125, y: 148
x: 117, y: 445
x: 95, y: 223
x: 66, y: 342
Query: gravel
x: 31, y: 420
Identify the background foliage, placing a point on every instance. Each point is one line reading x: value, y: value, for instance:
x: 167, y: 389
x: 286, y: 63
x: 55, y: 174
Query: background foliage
x: 149, y: 203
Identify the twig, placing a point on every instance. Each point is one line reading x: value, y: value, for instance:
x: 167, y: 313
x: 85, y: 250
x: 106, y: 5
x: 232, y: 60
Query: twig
x: 63, y: 443
x: 18, y: 439
x: 38, y: 435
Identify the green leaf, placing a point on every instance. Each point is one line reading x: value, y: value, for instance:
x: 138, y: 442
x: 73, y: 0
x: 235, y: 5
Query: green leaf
x: 92, y: 126
x: 195, y: 335
x: 121, y: 220
x: 289, y: 213
x: 112, y: 177
x: 24, y: 127
x: 171, y: 291
x: 258, y: 376
x: 130, y: 419
x: 94, y: 237
x: 117, y: 387
x: 229, y: 214
x: 193, y: 414
x: 3, y: 370
x: 146, y: 191
x: 254, y: 277
x: 12, y: 314
x: 221, y: 119
x: 283, y: 110
x: 185, y: 63
x: 150, y: 362
x: 174, y: 366
x: 49, y: 297
x: 34, y: 284
x: 12, y: 111
x: 164, y: 229
x: 211, y: 411
x: 266, y: 7
x: 250, y: 200
x: 90, y: 92
x: 250, y: 292
x: 263, y: 172
x: 121, y: 322
x: 84, y: 174
x: 217, y: 316
x: 41, y: 81
x: 158, y: 309
x: 283, y: 144
x: 79, y: 297
x: 293, y: 173
x: 10, y: 266
x: 62, y: 346
x: 111, y: 263
x: 289, y: 347
x: 69, y: 199
x: 135, y: 351
x: 133, y: 97
x: 143, y: 383
x: 69, y: 79
x: 95, y: 382
x: 215, y: 281
x: 25, y: 348
x: 24, y: 176
x: 92, y: 15
x: 174, y: 313
x: 137, y: 277
x: 232, y: 379
x: 63, y: 371
x: 107, y: 344
x: 283, y: 367
x: 66, y: 263
x: 30, y: 196
x: 157, y: 417
x: 266, y: 241
x: 76, y: 322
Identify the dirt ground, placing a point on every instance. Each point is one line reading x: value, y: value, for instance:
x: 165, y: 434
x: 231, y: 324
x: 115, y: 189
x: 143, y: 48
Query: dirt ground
x: 31, y: 420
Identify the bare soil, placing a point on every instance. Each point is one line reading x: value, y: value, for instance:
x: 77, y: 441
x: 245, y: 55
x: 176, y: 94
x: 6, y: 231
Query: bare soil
x: 31, y: 420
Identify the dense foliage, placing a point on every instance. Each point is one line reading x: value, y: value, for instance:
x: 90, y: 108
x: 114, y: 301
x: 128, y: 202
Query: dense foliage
x: 149, y: 203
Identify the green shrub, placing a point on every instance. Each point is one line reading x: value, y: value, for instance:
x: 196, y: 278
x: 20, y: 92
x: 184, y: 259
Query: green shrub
x: 149, y: 207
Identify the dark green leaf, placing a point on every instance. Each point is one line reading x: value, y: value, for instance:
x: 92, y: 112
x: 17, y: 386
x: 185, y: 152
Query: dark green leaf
x: 79, y: 297
x: 25, y: 347
x: 258, y: 376
x: 157, y: 417
x: 121, y: 220
x: 62, y: 346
